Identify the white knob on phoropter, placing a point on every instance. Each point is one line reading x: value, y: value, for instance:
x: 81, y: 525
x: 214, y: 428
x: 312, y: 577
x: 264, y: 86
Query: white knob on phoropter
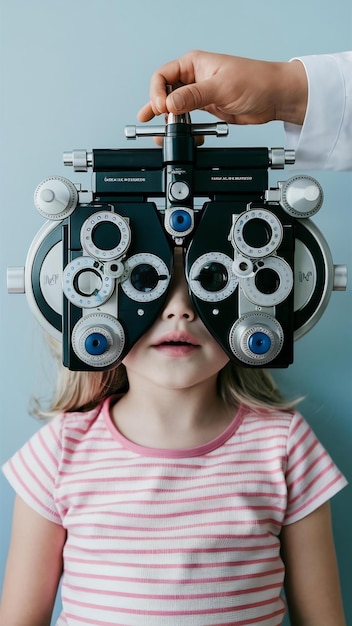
x: 56, y: 198
x: 301, y: 196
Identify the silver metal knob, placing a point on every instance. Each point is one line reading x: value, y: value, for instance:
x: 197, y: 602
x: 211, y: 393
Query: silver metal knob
x: 15, y: 280
x: 80, y: 160
x: 132, y: 132
x: 279, y: 157
x: 340, y: 278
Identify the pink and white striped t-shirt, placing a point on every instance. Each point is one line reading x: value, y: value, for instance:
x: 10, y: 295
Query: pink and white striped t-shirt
x: 173, y: 537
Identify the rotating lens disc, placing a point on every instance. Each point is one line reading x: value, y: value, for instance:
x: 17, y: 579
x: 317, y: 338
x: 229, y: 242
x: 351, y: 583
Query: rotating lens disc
x: 105, y: 235
x: 256, y: 233
x: 211, y: 277
x: 271, y: 283
x: 84, y: 284
x: 147, y: 279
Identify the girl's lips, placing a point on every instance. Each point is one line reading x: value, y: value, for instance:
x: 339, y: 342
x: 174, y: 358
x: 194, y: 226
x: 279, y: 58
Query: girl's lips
x: 183, y: 338
x: 176, y: 350
x: 177, y: 344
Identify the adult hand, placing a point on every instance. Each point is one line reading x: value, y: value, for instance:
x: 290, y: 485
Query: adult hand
x: 235, y: 89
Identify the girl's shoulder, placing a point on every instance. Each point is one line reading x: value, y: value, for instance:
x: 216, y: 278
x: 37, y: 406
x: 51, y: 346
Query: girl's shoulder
x: 76, y: 425
x: 42, y: 458
x: 284, y: 427
x: 277, y: 418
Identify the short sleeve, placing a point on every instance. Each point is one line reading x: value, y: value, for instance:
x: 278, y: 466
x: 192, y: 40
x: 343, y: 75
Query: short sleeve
x: 33, y: 470
x: 312, y: 477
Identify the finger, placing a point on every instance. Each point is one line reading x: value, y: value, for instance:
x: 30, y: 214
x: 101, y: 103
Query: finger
x: 158, y: 91
x: 158, y: 141
x: 175, y: 73
x: 167, y: 75
x: 146, y: 113
x: 191, y: 97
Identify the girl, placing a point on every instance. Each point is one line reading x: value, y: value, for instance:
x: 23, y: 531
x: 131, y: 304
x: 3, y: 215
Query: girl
x: 177, y: 489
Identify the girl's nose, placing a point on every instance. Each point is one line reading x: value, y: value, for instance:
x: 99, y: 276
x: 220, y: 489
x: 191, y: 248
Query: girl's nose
x: 178, y: 303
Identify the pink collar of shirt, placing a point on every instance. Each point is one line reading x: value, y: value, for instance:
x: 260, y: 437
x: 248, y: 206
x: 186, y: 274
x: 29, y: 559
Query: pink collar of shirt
x: 165, y: 452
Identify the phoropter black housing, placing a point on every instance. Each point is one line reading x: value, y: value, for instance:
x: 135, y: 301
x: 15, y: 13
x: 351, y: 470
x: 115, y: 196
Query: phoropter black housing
x: 259, y: 271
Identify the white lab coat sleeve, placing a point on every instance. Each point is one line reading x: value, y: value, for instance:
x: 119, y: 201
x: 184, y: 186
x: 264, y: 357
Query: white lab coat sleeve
x: 325, y: 139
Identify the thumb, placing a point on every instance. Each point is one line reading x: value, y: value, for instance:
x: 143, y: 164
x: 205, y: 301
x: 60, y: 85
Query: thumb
x: 191, y: 97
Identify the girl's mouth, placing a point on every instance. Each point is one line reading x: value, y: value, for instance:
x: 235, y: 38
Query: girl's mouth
x: 177, y: 344
x: 179, y: 338
x: 176, y: 348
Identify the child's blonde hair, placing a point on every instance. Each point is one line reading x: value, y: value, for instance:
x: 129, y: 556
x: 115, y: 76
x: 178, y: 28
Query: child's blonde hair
x: 82, y: 391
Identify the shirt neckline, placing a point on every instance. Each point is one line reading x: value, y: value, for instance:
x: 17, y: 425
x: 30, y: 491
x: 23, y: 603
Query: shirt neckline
x: 196, y: 451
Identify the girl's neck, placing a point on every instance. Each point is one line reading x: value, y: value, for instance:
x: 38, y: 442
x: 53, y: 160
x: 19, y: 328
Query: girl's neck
x: 171, y: 419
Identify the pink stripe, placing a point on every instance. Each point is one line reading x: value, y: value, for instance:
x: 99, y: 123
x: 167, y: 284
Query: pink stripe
x: 183, y: 537
x: 302, y: 458
x: 153, y: 551
x: 200, y: 486
x: 105, y: 492
x: 86, y: 620
x: 176, y: 566
x: 308, y: 469
x: 161, y: 503
x: 178, y: 596
x: 180, y: 514
x: 31, y: 494
x: 171, y: 581
x: 317, y: 497
x: 32, y: 475
x: 305, y: 435
x: 198, y: 525
x: 126, y: 462
x: 314, y: 480
x: 207, y: 611
x: 39, y: 462
x: 256, y: 620
x: 233, y: 475
x: 183, y: 527
x: 46, y: 448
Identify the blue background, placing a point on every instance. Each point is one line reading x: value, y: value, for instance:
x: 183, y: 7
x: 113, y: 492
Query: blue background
x: 73, y: 73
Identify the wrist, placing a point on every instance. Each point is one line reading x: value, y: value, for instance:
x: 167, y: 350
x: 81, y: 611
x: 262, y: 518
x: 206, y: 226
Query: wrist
x: 292, y: 92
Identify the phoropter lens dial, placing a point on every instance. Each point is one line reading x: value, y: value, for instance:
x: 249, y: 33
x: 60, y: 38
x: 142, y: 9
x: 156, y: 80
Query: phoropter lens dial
x: 211, y: 277
x: 85, y: 284
x: 105, y: 235
x: 271, y: 282
x: 256, y: 233
x: 147, y: 278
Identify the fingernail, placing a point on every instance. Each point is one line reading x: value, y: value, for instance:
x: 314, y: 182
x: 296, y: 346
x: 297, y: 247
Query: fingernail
x: 178, y: 100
